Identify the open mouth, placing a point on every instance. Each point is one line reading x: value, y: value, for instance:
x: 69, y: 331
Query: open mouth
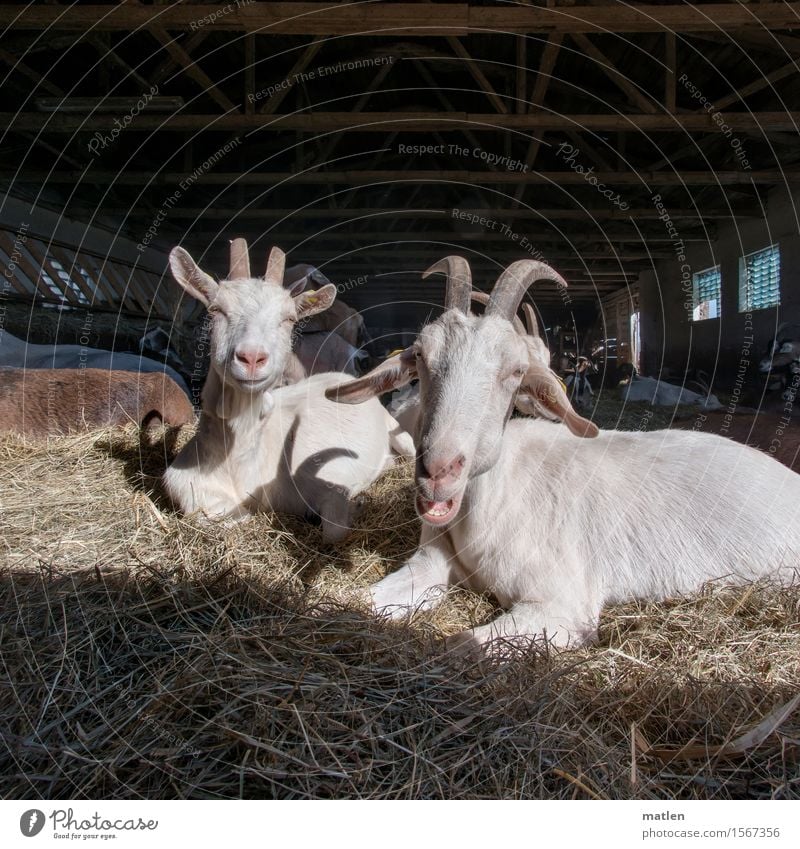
x: 437, y: 512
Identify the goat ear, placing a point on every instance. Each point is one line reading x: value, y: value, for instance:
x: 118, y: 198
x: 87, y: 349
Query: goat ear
x: 541, y: 388
x: 391, y: 374
x: 193, y: 279
x: 310, y: 303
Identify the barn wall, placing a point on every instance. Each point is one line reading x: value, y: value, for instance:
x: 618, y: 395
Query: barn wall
x: 670, y: 340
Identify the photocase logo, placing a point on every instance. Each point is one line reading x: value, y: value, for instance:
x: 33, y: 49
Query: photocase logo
x: 31, y: 822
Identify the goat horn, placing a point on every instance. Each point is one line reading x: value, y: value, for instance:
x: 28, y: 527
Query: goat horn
x: 531, y: 321
x: 515, y: 281
x: 240, y: 260
x: 459, y: 282
x: 483, y: 298
x: 276, y: 264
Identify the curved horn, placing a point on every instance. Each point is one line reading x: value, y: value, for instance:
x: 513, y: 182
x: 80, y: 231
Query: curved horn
x: 276, y: 264
x: 531, y: 321
x: 459, y: 281
x: 240, y: 260
x: 483, y: 298
x: 515, y: 281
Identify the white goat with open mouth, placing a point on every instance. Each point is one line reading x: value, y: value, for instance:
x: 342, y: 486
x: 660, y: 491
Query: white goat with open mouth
x: 522, y: 509
x: 262, y: 446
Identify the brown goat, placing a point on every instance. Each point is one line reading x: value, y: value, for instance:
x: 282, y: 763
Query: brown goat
x: 769, y: 432
x: 40, y: 402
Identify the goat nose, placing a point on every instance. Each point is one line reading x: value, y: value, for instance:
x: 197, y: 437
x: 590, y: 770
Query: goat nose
x: 250, y: 358
x: 442, y: 470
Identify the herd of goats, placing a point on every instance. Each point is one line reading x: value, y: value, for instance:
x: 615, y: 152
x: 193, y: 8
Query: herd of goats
x: 510, y: 504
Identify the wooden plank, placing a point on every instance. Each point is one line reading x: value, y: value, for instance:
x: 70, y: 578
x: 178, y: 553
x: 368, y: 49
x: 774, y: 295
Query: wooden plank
x: 26, y: 271
x: 380, y: 122
x: 109, y: 54
x: 69, y: 295
x: 631, y: 91
x: 366, y: 214
x: 433, y: 19
x: 71, y: 266
x: 113, y: 290
x: 671, y: 62
x: 522, y: 74
x: 249, y: 73
x: 299, y: 66
x: 478, y: 75
x: 191, y: 44
x: 646, y: 180
x: 738, y: 96
x: 191, y: 68
x: 18, y: 65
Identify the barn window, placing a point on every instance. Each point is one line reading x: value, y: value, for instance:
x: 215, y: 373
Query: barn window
x: 760, y: 279
x: 706, y: 294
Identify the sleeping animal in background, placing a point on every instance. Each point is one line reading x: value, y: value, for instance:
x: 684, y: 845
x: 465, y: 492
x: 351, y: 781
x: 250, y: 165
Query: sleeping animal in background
x: 17, y: 353
x: 661, y: 394
x: 45, y: 402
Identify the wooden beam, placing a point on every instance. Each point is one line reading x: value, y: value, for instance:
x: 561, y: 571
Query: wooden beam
x: 631, y: 91
x: 362, y: 101
x: 192, y: 43
x: 522, y: 74
x: 372, y: 214
x: 671, y: 62
x: 18, y: 65
x: 299, y: 66
x: 380, y: 122
x: 546, y: 65
x: 109, y: 54
x: 643, y: 179
x: 434, y: 19
x: 478, y: 75
x: 190, y: 67
x: 788, y: 70
x: 249, y: 72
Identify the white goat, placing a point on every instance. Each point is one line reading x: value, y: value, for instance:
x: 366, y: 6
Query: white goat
x: 291, y: 449
x: 508, y: 508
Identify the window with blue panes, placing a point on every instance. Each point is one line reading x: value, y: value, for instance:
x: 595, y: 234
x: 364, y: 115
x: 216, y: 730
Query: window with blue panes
x: 707, y: 294
x: 760, y: 279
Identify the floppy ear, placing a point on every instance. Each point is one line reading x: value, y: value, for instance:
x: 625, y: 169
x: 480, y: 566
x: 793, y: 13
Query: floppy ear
x: 540, y: 388
x: 310, y: 303
x: 391, y: 374
x: 195, y: 281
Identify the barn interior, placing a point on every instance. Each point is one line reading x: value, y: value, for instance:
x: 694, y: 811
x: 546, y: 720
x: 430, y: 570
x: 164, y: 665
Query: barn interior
x: 642, y: 152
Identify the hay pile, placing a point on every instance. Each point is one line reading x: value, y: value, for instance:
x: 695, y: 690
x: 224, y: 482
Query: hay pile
x: 145, y: 656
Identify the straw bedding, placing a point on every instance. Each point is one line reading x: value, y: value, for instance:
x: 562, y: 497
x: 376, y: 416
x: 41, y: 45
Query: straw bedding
x: 144, y: 655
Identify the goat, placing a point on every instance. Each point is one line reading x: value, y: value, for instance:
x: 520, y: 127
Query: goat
x: 662, y: 394
x: 261, y: 446
x: 507, y: 506
x: 17, y: 353
x: 41, y: 402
